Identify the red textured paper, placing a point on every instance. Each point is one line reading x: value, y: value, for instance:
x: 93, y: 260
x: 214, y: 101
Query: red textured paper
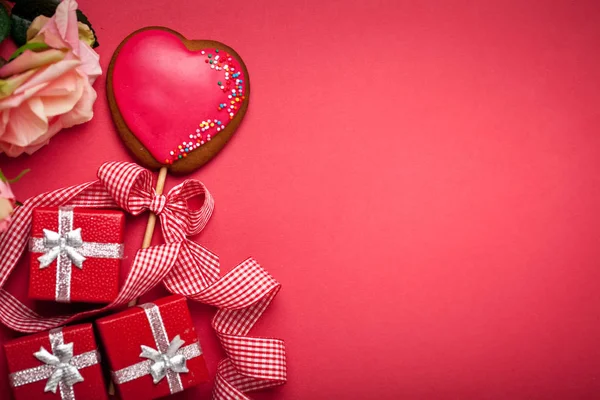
x: 123, y: 334
x: 19, y: 354
x: 98, y: 280
x: 421, y: 176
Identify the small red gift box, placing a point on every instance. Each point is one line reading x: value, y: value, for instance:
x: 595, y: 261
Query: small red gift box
x: 61, y: 364
x: 153, y: 350
x: 75, y: 254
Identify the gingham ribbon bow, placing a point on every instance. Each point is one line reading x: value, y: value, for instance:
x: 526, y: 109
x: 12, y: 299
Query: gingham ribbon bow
x: 177, y: 221
x: 57, y: 244
x: 184, y: 266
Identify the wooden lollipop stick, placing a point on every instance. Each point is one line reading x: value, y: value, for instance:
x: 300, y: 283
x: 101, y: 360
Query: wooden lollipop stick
x: 160, y: 186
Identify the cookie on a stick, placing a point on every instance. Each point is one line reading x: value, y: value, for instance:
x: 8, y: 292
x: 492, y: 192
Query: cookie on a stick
x: 175, y: 102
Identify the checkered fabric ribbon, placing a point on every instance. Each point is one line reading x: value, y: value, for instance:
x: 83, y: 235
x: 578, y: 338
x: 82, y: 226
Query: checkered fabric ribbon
x: 182, y: 265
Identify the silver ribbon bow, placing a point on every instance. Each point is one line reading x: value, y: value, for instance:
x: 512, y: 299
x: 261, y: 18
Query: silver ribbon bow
x: 60, y: 367
x: 167, y: 361
x: 65, y: 244
x: 64, y: 372
x: 68, y: 248
x: 164, y: 362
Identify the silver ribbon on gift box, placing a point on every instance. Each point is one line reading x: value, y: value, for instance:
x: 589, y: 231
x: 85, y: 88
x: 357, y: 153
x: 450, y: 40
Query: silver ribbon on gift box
x: 168, y: 360
x: 60, y: 367
x: 68, y: 248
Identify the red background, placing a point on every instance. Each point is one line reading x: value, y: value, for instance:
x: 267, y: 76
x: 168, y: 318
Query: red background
x: 422, y: 177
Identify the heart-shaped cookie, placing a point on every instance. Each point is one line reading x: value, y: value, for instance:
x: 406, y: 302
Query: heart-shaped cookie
x: 176, y: 102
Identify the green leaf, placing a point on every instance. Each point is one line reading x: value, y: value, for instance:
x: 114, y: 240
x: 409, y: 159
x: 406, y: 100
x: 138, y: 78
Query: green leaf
x: 28, y: 10
x: 4, y: 23
x: 18, y: 29
x: 33, y: 46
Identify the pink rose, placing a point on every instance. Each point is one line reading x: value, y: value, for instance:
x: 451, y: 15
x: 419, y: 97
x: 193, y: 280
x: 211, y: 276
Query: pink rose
x: 7, y: 202
x: 45, y: 91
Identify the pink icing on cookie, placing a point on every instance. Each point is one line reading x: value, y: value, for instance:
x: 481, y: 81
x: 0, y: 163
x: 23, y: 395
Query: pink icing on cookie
x: 173, y: 99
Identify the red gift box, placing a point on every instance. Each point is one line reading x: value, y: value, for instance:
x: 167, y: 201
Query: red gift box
x: 61, y: 364
x: 153, y: 349
x: 75, y: 254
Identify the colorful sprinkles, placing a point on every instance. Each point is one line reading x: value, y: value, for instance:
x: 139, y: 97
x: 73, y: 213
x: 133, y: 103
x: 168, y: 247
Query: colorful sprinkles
x: 229, y: 82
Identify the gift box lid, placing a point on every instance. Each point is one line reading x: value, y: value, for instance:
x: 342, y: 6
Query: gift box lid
x: 106, y: 226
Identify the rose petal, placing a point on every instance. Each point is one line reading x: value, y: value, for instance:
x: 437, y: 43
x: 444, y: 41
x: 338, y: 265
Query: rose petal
x: 36, y: 25
x: 6, y: 209
x: 48, y: 74
x: 55, y: 126
x: 8, y: 86
x: 37, y: 83
x: 63, y: 94
x: 27, y: 123
x: 83, y: 110
x: 6, y: 192
x: 64, y: 24
x: 62, y: 85
x: 90, y: 62
x: 31, y: 60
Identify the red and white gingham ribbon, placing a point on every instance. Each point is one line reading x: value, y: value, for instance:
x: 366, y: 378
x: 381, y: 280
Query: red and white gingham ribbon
x: 184, y: 266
